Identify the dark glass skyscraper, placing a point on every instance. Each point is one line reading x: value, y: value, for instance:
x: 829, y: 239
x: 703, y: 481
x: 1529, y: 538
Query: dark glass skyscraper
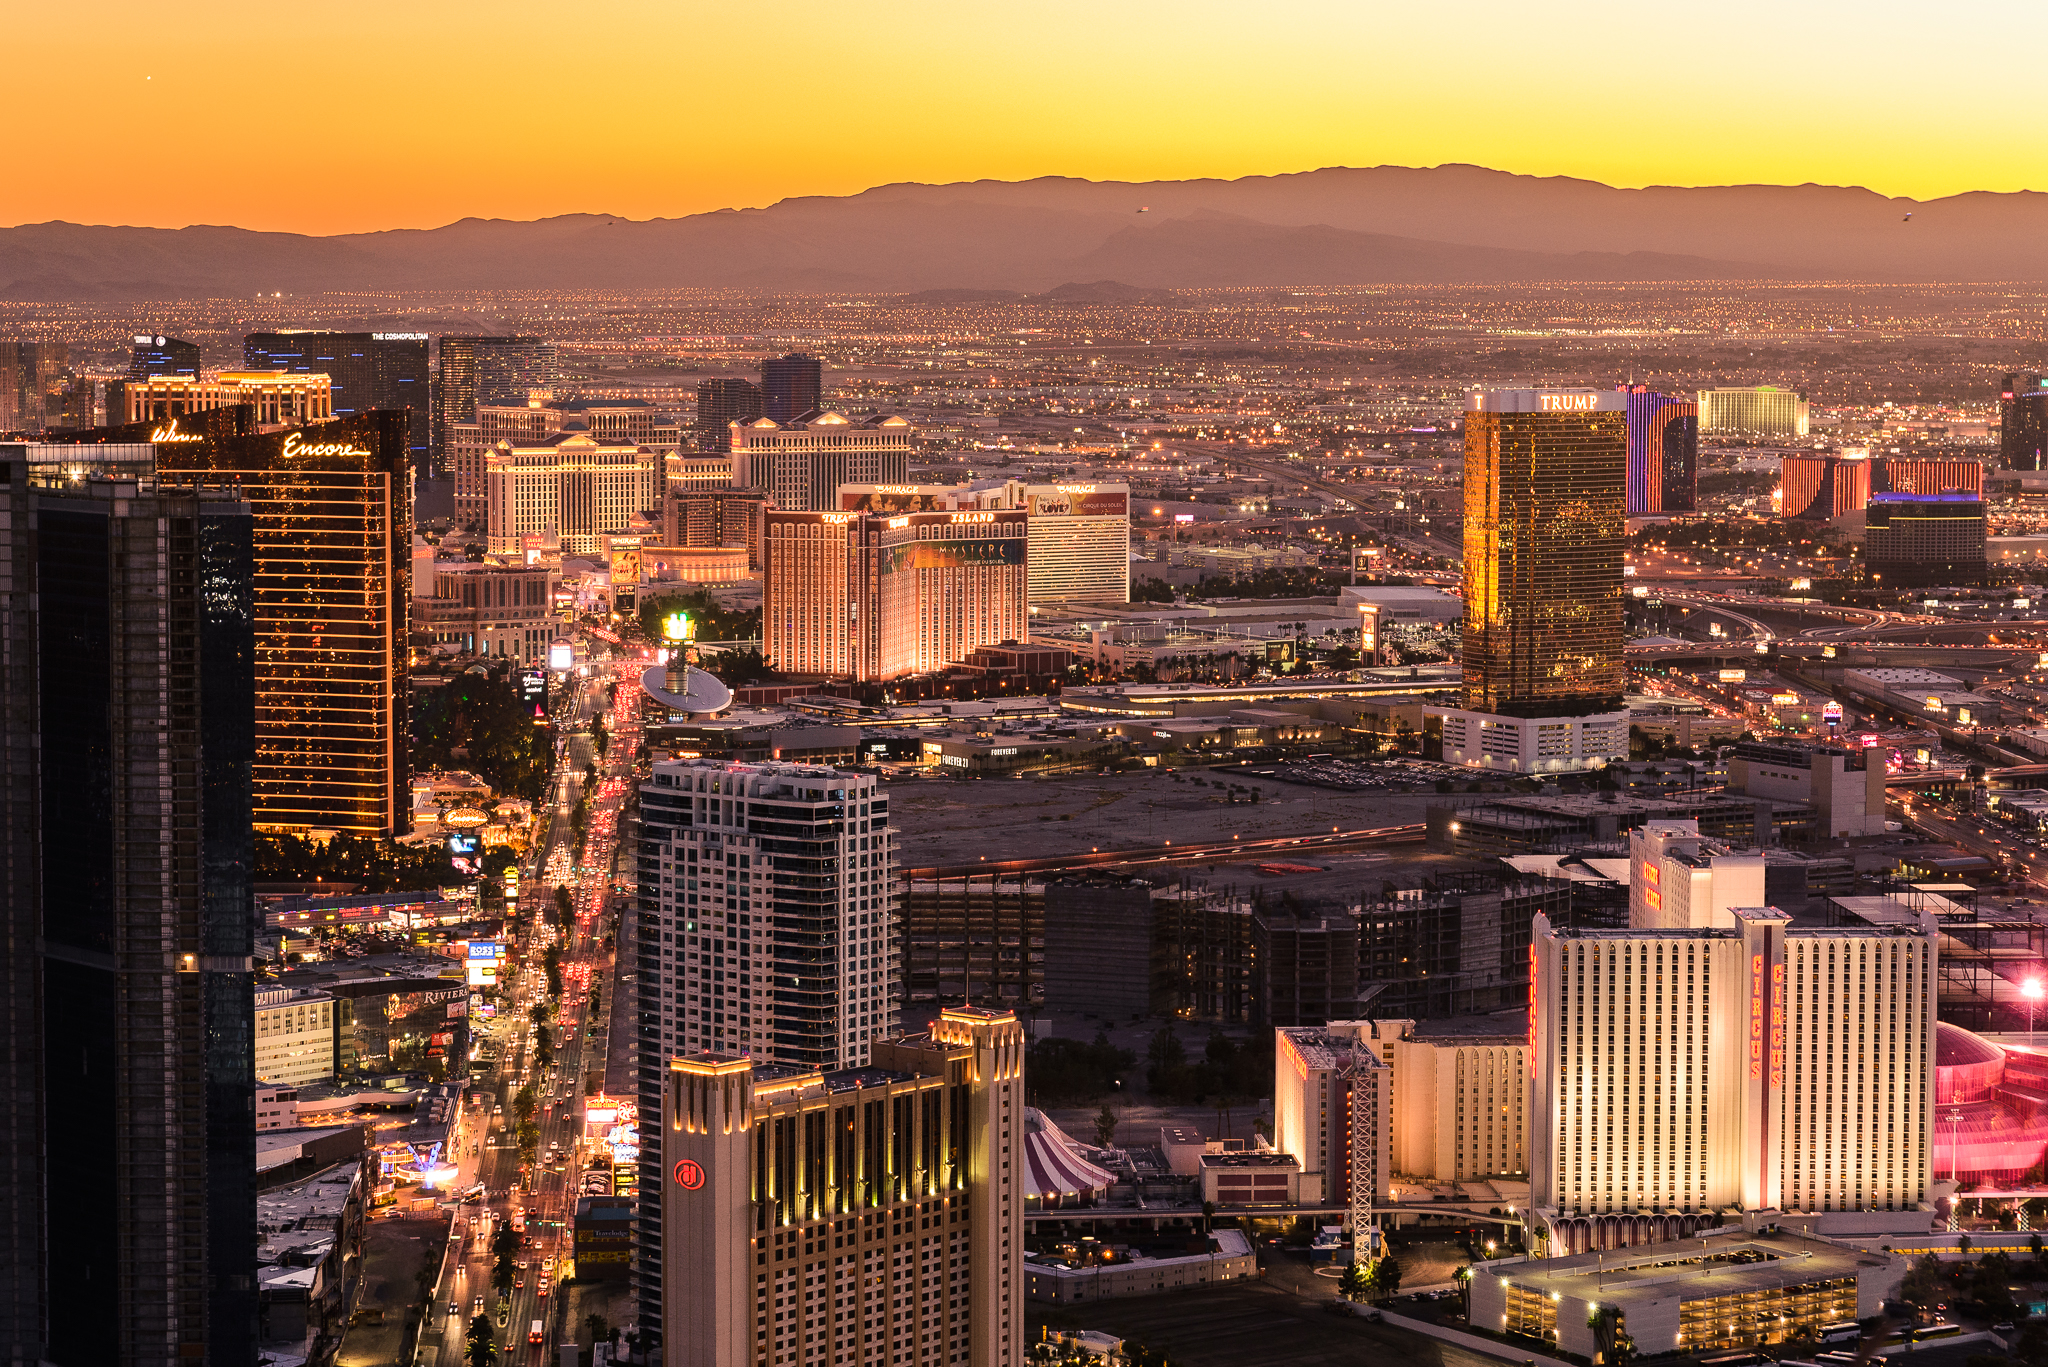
x: 30, y: 373
x: 331, y: 505
x: 1545, y: 523
x: 160, y: 355
x: 2023, y: 423
x: 367, y: 370
x: 486, y: 370
x: 791, y: 386
x: 720, y: 403
x: 127, y: 1196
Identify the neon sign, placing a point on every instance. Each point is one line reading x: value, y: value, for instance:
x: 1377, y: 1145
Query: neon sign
x: 1567, y: 403
x: 294, y: 447
x: 1756, y: 1016
x: 974, y: 517
x: 689, y: 1174
x: 170, y: 433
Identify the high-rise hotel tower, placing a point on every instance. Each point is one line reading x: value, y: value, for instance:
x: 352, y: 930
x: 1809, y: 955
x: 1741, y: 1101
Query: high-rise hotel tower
x: 765, y: 928
x: 1678, y: 1072
x: 1545, y: 475
x: 853, y: 1218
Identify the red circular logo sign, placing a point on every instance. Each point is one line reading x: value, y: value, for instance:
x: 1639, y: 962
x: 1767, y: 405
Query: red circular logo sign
x: 689, y: 1175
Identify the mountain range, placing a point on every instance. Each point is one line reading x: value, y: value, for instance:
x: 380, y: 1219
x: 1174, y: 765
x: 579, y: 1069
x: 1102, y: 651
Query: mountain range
x: 1337, y: 226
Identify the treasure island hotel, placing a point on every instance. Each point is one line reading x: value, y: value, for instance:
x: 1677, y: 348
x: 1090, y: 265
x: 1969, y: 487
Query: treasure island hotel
x: 1545, y: 491
x: 332, y: 514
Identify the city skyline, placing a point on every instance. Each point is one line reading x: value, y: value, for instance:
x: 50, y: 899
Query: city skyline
x: 1124, y: 103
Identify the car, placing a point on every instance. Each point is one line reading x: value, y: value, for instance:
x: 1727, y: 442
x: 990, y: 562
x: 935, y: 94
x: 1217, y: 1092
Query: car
x: 477, y: 1306
x: 2002, y: 1327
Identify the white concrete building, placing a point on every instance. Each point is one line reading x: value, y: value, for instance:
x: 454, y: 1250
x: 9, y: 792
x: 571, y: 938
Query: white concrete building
x: 295, y: 1036
x: 1531, y: 745
x: 819, y: 1218
x: 1679, y: 880
x: 1845, y: 788
x: 572, y: 483
x: 1680, y: 1072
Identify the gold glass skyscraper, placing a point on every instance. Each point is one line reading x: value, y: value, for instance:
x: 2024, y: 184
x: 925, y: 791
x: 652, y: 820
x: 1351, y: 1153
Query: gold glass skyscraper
x: 1545, y: 510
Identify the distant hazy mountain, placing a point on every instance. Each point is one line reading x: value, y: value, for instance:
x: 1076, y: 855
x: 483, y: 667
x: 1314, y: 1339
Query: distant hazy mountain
x: 1446, y: 224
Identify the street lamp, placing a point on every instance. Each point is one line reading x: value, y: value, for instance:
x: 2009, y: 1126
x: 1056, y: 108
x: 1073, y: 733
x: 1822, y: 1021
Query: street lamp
x: 2032, y: 990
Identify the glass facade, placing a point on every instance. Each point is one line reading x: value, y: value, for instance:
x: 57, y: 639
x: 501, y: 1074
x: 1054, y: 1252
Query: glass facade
x: 143, y: 1076
x: 367, y: 369
x: 1544, y: 530
x: 332, y: 528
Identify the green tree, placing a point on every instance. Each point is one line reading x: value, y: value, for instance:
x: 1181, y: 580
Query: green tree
x: 483, y: 713
x: 594, y: 1325
x: 482, y: 1351
x: 1356, y: 1282
x: 523, y: 1102
x: 1387, y: 1276
x: 1105, y: 1126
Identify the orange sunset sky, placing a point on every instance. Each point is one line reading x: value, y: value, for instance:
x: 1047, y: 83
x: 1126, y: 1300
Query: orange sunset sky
x: 374, y: 114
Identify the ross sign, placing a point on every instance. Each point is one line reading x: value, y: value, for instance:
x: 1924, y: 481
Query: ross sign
x: 689, y: 1174
x: 484, y: 957
x: 1831, y: 713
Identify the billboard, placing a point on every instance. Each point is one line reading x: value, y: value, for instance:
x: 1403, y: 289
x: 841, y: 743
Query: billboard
x: 947, y: 555
x: 892, y: 499
x: 1734, y: 675
x: 625, y: 566
x: 484, y: 958
x: 462, y: 843
x: 1076, y: 500
x: 562, y: 655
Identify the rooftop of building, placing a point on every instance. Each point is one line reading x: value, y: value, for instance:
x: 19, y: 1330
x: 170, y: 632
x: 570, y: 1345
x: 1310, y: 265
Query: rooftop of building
x: 1706, y: 1268
x: 1257, y: 1158
x: 1325, y: 1049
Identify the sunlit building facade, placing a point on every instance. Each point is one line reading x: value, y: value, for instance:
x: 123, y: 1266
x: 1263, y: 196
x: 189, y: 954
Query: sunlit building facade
x: 842, y: 1218
x: 1681, y: 1071
x: 1544, y: 529
x: 869, y: 597
x: 332, y: 512
x: 1663, y: 452
x: 279, y: 398
x: 1755, y: 410
x: 576, y: 484
x: 1080, y: 534
x: 802, y: 463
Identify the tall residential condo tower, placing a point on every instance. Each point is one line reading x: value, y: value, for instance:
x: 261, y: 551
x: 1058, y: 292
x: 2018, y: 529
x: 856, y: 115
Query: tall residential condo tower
x: 765, y: 928
x: 127, y: 1053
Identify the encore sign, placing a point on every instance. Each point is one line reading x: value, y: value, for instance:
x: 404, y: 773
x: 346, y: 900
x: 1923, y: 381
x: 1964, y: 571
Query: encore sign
x: 1566, y: 403
x: 294, y: 447
x: 689, y: 1174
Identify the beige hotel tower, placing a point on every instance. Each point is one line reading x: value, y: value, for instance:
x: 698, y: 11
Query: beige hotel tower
x: 868, y: 1216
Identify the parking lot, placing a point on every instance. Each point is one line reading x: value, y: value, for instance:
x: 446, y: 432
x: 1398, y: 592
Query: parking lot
x: 1038, y: 818
x: 1253, y: 1324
